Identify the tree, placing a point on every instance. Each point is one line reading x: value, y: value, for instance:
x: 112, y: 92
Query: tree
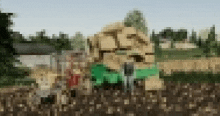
x: 7, y: 52
x: 78, y: 41
x: 155, y: 39
x: 135, y: 19
x: 207, y: 48
x: 167, y: 32
x: 152, y: 37
x: 199, y: 42
x: 64, y: 39
x: 211, y: 35
x: 218, y: 48
x: 210, y: 43
x: 41, y: 37
x: 17, y: 37
x: 172, y: 44
x: 212, y: 39
x: 193, y: 37
x: 181, y: 35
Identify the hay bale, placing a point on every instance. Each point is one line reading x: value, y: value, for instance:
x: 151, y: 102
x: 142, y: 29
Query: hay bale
x: 154, y: 83
x: 123, y: 41
x: 149, y: 48
x: 142, y: 65
x: 107, y: 43
x: 149, y: 58
x: 111, y: 61
x: 129, y: 31
x: 116, y: 37
x: 143, y: 38
x: 113, y: 27
x: 96, y: 53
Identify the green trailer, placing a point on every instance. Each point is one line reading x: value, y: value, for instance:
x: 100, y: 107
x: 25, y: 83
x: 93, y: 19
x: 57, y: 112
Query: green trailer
x: 100, y: 73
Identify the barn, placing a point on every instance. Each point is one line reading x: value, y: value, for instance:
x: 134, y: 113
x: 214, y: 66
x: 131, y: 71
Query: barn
x: 32, y: 54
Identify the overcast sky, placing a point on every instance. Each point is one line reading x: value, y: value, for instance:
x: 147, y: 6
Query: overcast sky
x: 89, y: 16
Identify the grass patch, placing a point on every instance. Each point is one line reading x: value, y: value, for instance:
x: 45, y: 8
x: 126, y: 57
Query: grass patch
x: 192, y: 77
x: 177, y: 54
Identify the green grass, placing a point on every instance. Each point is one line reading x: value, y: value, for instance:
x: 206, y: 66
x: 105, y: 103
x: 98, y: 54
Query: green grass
x: 193, y: 77
x: 175, y: 54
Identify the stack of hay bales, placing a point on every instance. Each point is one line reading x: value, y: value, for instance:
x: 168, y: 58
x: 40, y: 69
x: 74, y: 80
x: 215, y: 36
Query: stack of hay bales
x: 117, y: 38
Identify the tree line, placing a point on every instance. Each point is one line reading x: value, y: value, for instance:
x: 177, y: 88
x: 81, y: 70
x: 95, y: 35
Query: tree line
x: 208, y: 44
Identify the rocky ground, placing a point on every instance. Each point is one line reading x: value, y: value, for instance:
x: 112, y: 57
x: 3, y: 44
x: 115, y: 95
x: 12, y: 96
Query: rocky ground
x: 176, y: 100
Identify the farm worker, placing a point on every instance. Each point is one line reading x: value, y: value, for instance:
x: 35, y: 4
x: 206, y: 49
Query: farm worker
x: 74, y: 81
x: 128, y: 74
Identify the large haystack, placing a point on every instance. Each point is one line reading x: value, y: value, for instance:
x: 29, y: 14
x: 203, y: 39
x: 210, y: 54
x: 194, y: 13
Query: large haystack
x: 115, y: 39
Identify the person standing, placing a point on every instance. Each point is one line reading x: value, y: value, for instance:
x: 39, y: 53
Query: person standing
x: 128, y: 74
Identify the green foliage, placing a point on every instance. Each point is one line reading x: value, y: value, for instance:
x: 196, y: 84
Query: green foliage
x: 210, y: 43
x: 172, y: 44
x: 166, y: 33
x: 60, y: 42
x: 218, y: 49
x: 199, y: 42
x: 192, y: 77
x: 78, y: 41
x: 193, y: 37
x: 207, y: 48
x: 171, y: 54
x: 156, y: 41
x: 41, y: 37
x: 135, y: 19
x: 18, y: 38
x: 211, y: 35
x: 179, y: 35
x: 153, y: 36
x: 7, y: 70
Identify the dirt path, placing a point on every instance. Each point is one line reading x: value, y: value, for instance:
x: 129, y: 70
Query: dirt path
x: 175, y: 100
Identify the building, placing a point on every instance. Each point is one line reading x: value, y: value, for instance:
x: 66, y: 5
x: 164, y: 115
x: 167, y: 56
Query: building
x: 32, y: 54
x: 166, y: 43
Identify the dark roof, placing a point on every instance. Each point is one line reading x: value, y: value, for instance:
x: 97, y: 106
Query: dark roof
x: 33, y: 48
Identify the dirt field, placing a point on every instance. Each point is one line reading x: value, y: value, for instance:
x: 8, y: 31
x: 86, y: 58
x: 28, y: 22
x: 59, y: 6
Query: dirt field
x: 175, y: 100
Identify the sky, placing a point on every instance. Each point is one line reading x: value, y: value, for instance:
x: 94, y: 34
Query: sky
x: 89, y: 16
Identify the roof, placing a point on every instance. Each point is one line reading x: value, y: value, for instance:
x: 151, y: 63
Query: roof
x: 33, y: 49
